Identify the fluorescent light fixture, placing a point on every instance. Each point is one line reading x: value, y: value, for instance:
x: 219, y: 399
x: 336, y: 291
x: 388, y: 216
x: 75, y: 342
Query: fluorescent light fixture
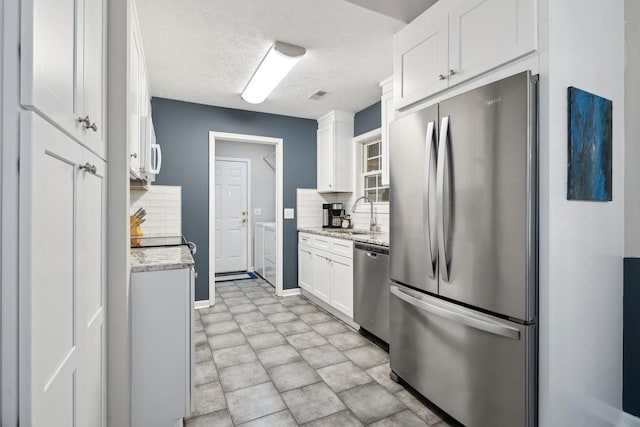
x: 279, y: 61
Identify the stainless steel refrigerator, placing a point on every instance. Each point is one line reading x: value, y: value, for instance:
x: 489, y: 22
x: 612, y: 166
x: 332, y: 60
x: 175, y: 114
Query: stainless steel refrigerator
x: 463, y: 249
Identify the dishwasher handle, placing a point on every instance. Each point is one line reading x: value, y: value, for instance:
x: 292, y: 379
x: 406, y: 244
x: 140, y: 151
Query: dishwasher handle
x: 374, y: 250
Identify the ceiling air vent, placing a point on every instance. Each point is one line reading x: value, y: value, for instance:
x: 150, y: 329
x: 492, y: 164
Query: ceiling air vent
x: 317, y: 94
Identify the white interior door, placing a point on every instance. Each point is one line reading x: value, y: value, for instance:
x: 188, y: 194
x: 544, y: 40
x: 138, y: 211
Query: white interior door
x: 232, y: 220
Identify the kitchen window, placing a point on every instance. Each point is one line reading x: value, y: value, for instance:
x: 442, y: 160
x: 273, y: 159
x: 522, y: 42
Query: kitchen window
x: 371, y: 168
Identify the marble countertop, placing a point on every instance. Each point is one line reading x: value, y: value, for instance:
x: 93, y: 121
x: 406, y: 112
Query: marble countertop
x: 160, y: 258
x: 374, y: 237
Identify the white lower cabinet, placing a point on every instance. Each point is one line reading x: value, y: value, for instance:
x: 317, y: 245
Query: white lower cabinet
x: 322, y: 274
x: 342, y: 284
x: 162, y: 346
x: 305, y: 268
x: 325, y: 269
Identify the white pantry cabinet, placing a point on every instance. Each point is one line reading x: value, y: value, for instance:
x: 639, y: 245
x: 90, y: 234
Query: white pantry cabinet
x: 335, y: 153
x: 325, y: 269
x: 63, y: 271
x: 63, y: 66
x: 456, y: 40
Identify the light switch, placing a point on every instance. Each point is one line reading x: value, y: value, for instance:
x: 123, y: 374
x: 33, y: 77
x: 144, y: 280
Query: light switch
x: 288, y: 213
x: 257, y: 211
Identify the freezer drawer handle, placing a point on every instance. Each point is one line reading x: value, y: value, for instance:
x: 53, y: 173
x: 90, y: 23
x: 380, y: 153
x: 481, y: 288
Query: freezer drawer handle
x: 441, y: 162
x: 483, y: 325
x: 428, y: 145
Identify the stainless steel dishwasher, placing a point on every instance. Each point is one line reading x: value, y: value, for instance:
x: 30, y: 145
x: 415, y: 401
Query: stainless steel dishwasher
x: 371, y: 289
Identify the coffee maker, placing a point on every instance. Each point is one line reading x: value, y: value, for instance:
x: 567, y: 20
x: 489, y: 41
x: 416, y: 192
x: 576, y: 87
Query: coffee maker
x: 336, y: 215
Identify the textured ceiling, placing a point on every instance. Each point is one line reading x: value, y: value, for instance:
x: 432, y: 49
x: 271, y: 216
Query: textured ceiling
x: 404, y: 10
x: 205, y: 51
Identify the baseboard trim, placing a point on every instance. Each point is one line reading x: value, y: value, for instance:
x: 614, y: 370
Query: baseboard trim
x: 337, y: 313
x: 201, y: 304
x: 290, y: 292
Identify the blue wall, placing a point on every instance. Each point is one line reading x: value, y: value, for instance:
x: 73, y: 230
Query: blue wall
x: 182, y: 129
x: 367, y: 119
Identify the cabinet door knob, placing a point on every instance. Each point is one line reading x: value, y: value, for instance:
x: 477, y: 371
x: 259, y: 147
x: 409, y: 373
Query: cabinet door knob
x: 86, y: 123
x: 441, y: 77
x: 243, y: 220
x: 451, y: 72
x: 89, y: 168
x: 134, y: 155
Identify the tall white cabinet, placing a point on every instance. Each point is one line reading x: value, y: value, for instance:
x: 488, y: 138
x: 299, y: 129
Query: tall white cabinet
x: 62, y: 66
x: 62, y: 229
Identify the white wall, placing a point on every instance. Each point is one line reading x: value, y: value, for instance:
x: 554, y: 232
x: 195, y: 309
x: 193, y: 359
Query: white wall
x: 582, y: 243
x: 9, y: 215
x: 632, y: 128
x: 118, y: 244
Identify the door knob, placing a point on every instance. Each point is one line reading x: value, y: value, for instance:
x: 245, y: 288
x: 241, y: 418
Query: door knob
x: 243, y: 220
x: 244, y: 213
x: 451, y: 72
x: 441, y: 77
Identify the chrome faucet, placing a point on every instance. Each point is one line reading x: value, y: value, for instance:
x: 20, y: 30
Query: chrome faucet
x: 372, y: 222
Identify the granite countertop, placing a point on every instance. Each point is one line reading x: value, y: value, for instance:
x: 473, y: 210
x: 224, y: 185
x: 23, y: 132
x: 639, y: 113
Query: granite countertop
x: 374, y: 237
x: 160, y: 258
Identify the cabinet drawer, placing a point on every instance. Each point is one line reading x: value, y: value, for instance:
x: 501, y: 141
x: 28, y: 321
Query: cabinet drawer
x: 342, y: 247
x: 305, y: 240
x: 322, y: 242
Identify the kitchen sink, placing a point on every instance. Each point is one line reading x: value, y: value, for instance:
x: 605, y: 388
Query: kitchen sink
x: 352, y: 231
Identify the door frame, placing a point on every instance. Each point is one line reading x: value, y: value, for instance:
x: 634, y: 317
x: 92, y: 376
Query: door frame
x: 251, y: 139
x: 249, y: 215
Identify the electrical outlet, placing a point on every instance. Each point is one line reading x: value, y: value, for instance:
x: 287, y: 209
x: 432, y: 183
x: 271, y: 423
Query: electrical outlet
x: 257, y: 211
x: 289, y: 213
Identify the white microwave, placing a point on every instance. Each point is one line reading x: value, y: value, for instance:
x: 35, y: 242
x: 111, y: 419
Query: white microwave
x: 152, y: 160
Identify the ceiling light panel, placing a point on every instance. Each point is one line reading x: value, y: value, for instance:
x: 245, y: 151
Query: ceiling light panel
x: 274, y: 67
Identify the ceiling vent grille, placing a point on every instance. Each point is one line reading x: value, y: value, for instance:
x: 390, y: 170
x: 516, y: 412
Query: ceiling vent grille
x: 317, y: 94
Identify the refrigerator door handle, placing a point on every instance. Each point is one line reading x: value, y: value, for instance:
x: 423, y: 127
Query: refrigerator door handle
x: 473, y: 322
x: 440, y: 165
x: 428, y: 145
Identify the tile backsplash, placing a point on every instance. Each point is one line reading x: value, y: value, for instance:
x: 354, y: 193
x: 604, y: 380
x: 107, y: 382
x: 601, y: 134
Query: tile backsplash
x: 163, y: 204
x: 309, y: 207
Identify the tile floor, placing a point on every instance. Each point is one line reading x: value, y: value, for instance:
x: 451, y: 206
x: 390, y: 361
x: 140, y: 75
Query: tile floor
x: 268, y: 361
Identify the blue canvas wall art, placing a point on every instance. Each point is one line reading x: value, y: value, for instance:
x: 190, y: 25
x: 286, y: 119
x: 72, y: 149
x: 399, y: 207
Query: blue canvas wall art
x: 590, y: 138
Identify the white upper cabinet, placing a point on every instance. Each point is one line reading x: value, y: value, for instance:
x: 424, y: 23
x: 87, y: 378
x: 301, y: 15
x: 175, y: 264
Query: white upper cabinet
x: 335, y: 152
x: 457, y: 40
x: 420, y: 59
x: 388, y: 115
x: 484, y: 34
x: 63, y: 66
x: 141, y: 132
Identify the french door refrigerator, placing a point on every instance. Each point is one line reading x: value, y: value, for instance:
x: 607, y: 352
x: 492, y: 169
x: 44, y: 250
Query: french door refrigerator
x: 463, y: 246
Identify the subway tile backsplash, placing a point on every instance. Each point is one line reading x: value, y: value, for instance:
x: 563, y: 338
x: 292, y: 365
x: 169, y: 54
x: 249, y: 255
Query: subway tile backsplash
x: 309, y: 207
x: 163, y: 204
